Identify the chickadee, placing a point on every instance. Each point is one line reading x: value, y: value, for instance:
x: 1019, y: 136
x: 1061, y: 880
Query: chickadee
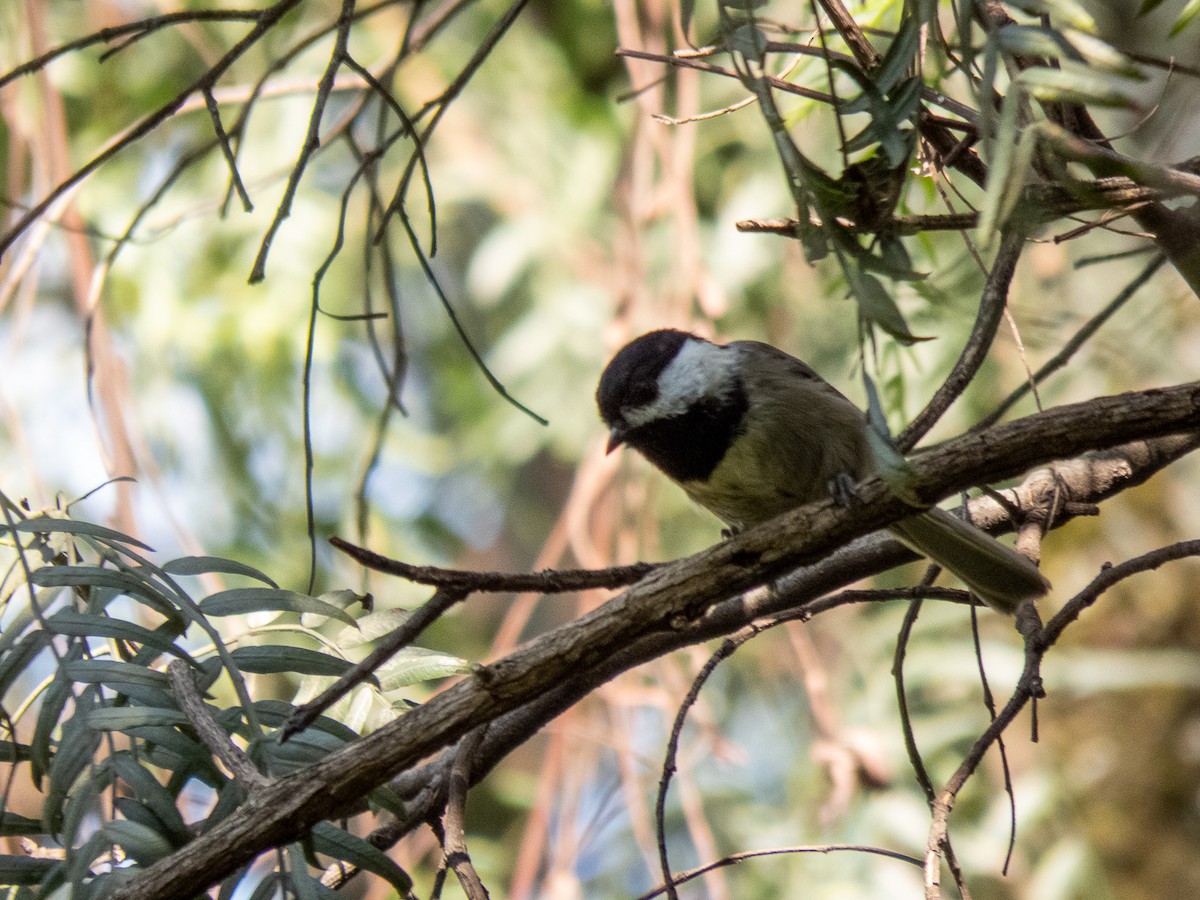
x: 750, y: 432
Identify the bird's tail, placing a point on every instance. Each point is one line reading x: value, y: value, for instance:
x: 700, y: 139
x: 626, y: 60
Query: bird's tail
x: 1001, y: 577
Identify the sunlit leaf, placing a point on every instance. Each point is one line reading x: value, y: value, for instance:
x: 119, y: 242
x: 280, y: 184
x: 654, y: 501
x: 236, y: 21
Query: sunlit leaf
x: 1076, y: 84
x: 413, y: 665
x: 370, y: 627
x: 1068, y: 12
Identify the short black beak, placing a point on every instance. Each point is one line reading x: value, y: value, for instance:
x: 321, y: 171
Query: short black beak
x: 616, y: 437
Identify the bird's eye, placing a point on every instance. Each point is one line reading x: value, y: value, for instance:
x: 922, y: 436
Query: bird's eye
x: 641, y: 394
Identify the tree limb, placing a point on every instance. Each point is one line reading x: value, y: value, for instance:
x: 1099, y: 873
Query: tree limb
x: 669, y: 601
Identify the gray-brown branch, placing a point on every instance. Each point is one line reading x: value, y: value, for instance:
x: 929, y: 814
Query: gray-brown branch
x: 669, y: 601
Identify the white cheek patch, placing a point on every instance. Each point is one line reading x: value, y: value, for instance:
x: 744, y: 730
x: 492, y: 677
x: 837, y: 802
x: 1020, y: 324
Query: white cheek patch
x: 699, y: 369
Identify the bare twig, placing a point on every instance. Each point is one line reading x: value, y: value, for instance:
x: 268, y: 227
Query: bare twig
x: 420, y: 619
x: 457, y: 857
x: 1077, y: 340
x: 312, y: 139
x: 676, y: 603
x: 735, y: 858
x: 550, y: 581
x: 991, y: 310
x: 264, y: 23
x: 234, y: 758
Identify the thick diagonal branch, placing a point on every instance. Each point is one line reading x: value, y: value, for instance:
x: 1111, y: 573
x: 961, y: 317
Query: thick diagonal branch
x: 670, y: 600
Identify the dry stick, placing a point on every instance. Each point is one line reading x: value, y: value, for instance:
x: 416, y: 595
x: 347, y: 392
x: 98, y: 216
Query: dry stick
x: 1050, y: 201
x: 235, y: 177
x: 149, y: 123
x: 906, y: 726
x: 548, y: 581
x: 1096, y: 481
x: 312, y: 139
x: 727, y: 648
x: 1038, y: 640
x: 989, y: 703
x: 1063, y: 356
x: 663, y: 610
x: 734, y: 858
x: 183, y: 686
x: 140, y: 28
x: 455, y: 843
x: 421, y: 618
x: 983, y: 333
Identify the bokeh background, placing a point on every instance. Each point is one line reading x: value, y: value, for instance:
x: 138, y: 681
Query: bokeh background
x: 569, y: 218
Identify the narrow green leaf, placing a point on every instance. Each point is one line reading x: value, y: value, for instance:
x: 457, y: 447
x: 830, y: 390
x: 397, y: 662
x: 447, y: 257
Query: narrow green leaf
x: 126, y: 583
x: 52, y: 525
x: 13, y: 825
x: 122, y: 718
x: 899, y: 56
x: 1004, y: 178
x: 14, y: 663
x: 241, y: 601
x: 1103, y: 55
x: 24, y: 869
x: 265, y: 660
x: 273, y: 713
x: 1185, y: 17
x: 1076, y: 84
x: 876, y: 305
x: 151, y: 793
x: 142, y: 843
x: 11, y: 752
x: 268, y: 888
x: 137, y: 811
x: 203, y: 565
x: 79, y: 624
x: 344, y: 846
x: 115, y: 673
x: 54, y: 701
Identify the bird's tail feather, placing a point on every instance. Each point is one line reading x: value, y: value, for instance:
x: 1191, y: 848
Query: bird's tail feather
x: 1000, y: 576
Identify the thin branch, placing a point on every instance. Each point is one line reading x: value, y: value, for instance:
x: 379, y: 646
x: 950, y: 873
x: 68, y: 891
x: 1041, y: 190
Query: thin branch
x: 420, y: 619
x: 455, y: 844
x: 726, y: 650
x: 671, y: 605
x: 1077, y: 340
x: 266, y: 20
x: 548, y: 581
x: 734, y: 858
x: 183, y: 686
x: 991, y: 311
x: 142, y: 27
x: 235, y: 177
x: 312, y: 139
